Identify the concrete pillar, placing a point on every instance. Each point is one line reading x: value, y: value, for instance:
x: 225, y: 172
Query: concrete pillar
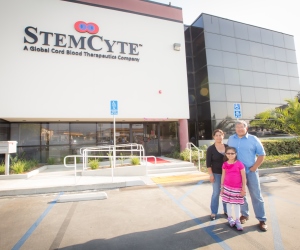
x: 183, y: 134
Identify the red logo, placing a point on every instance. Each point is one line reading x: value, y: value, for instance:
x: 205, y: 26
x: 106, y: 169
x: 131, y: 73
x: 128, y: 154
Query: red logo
x: 83, y: 27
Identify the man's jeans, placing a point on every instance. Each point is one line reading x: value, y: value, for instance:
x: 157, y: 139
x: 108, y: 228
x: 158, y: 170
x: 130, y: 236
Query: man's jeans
x: 214, y: 205
x: 256, y: 197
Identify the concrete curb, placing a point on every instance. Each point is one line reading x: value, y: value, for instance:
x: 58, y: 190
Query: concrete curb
x: 23, y: 176
x: 278, y: 170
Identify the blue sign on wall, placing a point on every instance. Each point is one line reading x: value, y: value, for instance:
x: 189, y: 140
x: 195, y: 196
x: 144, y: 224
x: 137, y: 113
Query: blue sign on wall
x: 114, y: 107
x: 237, y: 110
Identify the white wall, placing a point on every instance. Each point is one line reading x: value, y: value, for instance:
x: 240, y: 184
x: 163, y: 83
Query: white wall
x: 47, y: 86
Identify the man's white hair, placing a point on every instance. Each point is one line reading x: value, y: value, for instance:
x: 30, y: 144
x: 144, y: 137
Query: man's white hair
x: 241, y: 122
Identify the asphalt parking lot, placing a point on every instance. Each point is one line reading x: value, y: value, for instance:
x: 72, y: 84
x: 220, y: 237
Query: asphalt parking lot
x: 164, y: 216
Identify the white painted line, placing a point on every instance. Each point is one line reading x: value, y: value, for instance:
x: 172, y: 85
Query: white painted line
x: 82, y: 197
x: 267, y: 179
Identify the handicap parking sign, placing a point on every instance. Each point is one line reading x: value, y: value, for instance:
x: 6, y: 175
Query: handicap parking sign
x: 237, y: 110
x: 113, y: 107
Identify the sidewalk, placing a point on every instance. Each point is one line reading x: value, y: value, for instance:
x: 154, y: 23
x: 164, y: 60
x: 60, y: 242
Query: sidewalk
x: 58, y: 178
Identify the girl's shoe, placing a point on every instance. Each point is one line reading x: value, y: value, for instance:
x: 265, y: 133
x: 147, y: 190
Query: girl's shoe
x: 231, y: 221
x: 238, y: 225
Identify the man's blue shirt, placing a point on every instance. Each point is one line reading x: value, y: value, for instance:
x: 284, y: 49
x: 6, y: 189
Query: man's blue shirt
x: 248, y: 147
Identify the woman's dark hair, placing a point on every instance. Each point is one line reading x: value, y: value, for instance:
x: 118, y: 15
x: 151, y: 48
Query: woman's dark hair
x: 226, y: 150
x: 216, y: 131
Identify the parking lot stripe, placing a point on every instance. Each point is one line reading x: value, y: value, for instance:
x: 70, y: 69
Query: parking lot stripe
x: 189, y: 192
x: 18, y: 245
x: 278, y: 244
x: 196, y: 220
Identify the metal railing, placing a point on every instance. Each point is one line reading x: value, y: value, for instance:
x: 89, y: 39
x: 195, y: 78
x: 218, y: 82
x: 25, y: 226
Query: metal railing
x: 189, y: 146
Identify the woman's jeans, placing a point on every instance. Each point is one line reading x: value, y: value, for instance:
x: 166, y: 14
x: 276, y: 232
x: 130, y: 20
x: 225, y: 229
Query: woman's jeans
x: 214, y: 205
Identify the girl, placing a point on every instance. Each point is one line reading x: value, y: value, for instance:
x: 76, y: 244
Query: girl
x: 233, y: 186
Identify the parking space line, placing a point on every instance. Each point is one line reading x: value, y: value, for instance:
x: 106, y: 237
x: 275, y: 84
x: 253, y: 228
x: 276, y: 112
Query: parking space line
x: 18, y: 245
x: 190, y: 191
x: 278, y: 244
x: 196, y: 220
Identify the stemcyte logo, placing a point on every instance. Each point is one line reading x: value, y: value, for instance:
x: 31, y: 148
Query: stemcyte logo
x: 84, y: 41
x: 83, y: 27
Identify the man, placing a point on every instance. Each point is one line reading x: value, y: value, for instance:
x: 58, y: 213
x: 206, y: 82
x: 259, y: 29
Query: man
x: 250, y: 151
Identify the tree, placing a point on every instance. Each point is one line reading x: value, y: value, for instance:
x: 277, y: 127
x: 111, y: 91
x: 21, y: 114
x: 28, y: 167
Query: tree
x: 285, y: 118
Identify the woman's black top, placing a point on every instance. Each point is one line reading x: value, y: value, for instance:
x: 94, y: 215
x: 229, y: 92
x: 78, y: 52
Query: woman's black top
x: 214, y: 159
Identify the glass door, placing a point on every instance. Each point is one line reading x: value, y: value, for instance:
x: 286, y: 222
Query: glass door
x: 151, y: 139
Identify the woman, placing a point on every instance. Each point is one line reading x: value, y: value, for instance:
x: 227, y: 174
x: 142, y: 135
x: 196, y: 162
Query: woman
x: 214, y: 161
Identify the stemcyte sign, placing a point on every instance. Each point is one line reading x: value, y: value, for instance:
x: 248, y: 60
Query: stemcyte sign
x: 91, y: 45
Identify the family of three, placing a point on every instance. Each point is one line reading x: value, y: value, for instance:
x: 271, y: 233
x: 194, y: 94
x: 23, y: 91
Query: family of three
x: 232, y: 167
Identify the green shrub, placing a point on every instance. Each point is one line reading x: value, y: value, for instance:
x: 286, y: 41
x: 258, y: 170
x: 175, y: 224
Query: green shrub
x: 135, y: 161
x: 51, y: 161
x: 18, y: 167
x: 2, y: 168
x: 282, y: 146
x: 94, y: 164
x: 30, y: 164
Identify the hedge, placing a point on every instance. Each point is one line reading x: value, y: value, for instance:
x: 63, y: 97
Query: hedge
x: 282, y: 146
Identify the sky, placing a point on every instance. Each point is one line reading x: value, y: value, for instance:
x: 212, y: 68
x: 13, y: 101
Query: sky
x: 278, y: 15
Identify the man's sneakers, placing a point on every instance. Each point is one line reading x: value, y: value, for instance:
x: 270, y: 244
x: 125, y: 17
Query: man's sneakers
x: 263, y: 226
x: 243, y: 219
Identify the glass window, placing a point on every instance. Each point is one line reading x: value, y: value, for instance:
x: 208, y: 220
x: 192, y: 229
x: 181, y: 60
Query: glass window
x: 266, y: 36
x: 59, y: 133
x: 189, y: 64
x: 226, y: 27
x: 278, y: 39
x: 292, y: 70
x: 26, y: 134
x: 244, y: 62
x: 30, y: 153
x: 4, y: 130
x: 138, y: 133
x: 168, y: 136
x: 283, y: 82
x: 289, y: 42
x: 188, y: 49
x: 268, y: 51
x: 192, y: 97
x: 243, y: 47
x: 231, y: 76
x: 214, y: 57
x: 260, y: 79
x: 261, y: 95
x: 282, y: 68
x: 272, y: 81
x: 58, y: 153
x: 246, y: 78
x: 263, y: 107
x: 212, y: 41
x: 248, y: 110
x: 254, y: 34
x: 215, y: 74
x: 258, y: 64
x: 228, y: 44
x: 217, y: 92
x: 274, y: 96
x: 280, y: 54
x: 190, y: 80
x: 211, y: 23
x: 196, y: 31
x: 270, y: 66
x: 248, y: 94
x: 105, y: 133
x: 200, y: 60
x: 230, y: 60
x: 294, y: 83
x: 240, y: 30
x: 187, y: 34
x: 193, y: 113
x: 204, y: 111
x: 202, y: 93
x: 83, y: 133
x: 233, y: 93
x: 218, y: 110
x: 122, y: 133
x: 284, y: 95
x: 201, y: 77
x: 256, y: 49
x: 290, y: 56
x: 198, y: 44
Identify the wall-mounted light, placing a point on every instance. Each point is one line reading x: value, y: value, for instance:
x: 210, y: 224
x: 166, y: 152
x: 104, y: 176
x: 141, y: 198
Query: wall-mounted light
x: 177, y: 46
